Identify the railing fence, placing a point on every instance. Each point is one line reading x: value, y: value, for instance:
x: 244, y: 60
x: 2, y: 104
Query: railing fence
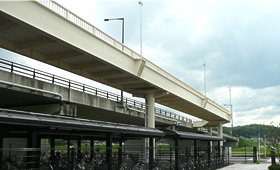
x: 125, y: 157
x: 64, y: 82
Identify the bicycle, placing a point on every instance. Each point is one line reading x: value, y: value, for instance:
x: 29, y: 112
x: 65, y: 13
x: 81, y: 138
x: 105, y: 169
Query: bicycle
x: 136, y: 164
x: 44, y: 162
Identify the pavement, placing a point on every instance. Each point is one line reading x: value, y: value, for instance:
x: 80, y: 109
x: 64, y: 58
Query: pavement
x: 236, y: 164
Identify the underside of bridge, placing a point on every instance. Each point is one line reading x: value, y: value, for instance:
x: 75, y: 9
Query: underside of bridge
x: 34, y: 33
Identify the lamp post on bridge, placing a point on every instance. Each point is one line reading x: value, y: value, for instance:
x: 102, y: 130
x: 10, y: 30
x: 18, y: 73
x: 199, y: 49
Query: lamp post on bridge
x: 121, y: 19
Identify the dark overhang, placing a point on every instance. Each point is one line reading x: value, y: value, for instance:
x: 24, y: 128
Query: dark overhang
x: 190, y: 135
x: 68, y: 125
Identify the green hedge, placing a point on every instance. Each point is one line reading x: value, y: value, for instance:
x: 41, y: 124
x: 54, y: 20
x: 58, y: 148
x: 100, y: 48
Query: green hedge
x: 274, y: 167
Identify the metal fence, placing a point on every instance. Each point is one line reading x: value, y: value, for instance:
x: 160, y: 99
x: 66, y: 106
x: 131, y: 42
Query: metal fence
x: 124, y: 158
x: 61, y: 81
x: 245, y: 154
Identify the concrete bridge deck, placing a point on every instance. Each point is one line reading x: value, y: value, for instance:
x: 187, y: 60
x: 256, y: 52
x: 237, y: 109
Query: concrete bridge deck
x: 50, y: 33
x: 78, y: 102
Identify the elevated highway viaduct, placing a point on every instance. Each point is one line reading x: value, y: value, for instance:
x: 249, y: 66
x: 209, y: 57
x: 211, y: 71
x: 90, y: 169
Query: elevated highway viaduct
x: 19, y: 92
x: 36, y: 94
x: 48, y: 32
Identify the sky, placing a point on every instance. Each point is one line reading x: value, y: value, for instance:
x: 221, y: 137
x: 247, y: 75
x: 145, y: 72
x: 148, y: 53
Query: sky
x: 238, y: 41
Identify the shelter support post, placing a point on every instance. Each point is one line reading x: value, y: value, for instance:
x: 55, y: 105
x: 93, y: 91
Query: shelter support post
x: 79, y: 144
x: 91, y: 147
x: 52, y: 150
x: 120, y: 154
x: 195, y: 151
x: 109, y: 150
x: 68, y: 147
x: 176, y: 153
x: 219, y: 149
x: 209, y: 152
x: 33, y: 142
x: 1, y: 152
x: 151, y: 152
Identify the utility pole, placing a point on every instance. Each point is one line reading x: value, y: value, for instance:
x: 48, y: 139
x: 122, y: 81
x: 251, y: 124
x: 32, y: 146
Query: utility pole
x: 204, y: 65
x: 259, y: 147
x: 231, y: 111
x: 231, y: 132
x: 264, y: 146
x: 141, y: 5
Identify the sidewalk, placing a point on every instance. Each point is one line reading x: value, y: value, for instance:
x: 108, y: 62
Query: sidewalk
x: 238, y: 166
x: 265, y: 163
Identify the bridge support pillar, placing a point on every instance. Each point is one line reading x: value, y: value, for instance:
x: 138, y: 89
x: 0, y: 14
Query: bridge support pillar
x: 210, y: 142
x: 149, y: 121
x: 220, y: 132
x: 150, y: 110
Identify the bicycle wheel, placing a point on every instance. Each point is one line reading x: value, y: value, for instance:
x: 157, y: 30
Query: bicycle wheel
x: 139, y: 166
x: 46, y: 167
x: 165, y: 166
x: 190, y: 165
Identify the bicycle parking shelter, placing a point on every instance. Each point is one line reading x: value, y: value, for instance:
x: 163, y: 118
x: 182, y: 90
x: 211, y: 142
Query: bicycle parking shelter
x: 35, y: 126
x: 181, y: 135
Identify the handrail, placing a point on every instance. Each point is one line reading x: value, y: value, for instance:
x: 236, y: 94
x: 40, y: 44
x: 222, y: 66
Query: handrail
x: 23, y: 70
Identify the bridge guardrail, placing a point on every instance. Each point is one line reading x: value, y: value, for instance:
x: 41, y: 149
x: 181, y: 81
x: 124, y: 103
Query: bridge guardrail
x: 74, y: 18
x: 64, y: 82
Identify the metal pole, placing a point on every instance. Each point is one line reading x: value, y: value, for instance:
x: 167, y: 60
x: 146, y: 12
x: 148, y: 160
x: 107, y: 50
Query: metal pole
x: 264, y: 146
x: 141, y: 4
x: 231, y: 111
x: 122, y: 41
x: 122, y: 49
x: 259, y: 147
x: 204, y: 79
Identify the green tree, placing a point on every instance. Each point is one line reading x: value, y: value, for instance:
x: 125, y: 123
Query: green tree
x: 272, y: 136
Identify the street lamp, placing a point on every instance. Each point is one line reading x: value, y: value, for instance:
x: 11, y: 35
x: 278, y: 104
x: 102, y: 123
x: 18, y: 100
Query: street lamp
x: 122, y: 19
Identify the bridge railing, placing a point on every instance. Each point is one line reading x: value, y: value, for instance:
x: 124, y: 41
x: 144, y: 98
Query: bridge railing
x: 69, y: 15
x: 64, y: 82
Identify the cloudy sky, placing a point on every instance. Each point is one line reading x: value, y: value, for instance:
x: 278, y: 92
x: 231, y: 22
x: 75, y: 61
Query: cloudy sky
x: 238, y: 40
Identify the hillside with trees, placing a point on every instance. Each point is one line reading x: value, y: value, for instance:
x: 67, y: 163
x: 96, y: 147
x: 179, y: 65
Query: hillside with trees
x: 248, y: 131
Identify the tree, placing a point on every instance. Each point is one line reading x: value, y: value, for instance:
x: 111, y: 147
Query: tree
x: 272, y: 136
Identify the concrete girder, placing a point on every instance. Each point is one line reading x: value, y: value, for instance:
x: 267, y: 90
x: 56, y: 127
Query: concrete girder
x: 63, y: 56
x: 34, y: 43
x: 199, y: 124
x: 105, y: 73
x: 86, y: 65
x: 7, y: 25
